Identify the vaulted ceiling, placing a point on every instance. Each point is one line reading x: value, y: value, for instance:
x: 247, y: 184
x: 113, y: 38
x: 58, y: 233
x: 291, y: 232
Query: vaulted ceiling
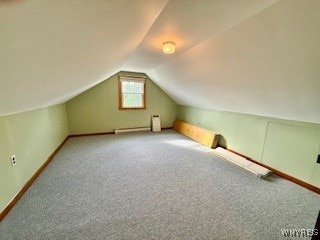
x: 258, y: 57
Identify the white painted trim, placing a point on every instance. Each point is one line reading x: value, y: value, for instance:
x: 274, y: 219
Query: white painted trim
x: 242, y: 162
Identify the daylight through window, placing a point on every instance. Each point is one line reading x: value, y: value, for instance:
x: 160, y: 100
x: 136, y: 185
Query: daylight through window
x: 132, y: 92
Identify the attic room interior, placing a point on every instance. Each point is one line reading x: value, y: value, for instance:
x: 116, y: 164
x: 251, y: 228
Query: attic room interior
x: 159, y: 119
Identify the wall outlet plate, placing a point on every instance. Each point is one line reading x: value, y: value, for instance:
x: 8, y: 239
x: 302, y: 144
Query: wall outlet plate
x: 13, y: 160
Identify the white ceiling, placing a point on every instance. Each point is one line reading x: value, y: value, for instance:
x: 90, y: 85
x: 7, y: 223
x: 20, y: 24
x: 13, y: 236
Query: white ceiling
x: 259, y: 57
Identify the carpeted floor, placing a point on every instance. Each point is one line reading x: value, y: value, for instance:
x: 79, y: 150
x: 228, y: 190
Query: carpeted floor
x: 154, y: 186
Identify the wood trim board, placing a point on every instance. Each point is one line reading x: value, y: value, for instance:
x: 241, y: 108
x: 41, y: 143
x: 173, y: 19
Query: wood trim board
x: 282, y: 174
x: 205, y: 137
x: 30, y: 181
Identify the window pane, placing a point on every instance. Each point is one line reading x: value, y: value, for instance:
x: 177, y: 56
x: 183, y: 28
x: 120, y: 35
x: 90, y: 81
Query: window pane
x: 132, y: 92
x: 132, y: 100
x: 132, y: 87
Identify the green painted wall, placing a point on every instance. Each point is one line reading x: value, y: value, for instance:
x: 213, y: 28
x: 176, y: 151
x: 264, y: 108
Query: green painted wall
x: 289, y: 146
x: 32, y: 136
x: 96, y: 110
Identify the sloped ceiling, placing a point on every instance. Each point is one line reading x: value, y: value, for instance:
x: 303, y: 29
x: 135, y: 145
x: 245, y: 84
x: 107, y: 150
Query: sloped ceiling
x: 52, y: 50
x: 257, y: 57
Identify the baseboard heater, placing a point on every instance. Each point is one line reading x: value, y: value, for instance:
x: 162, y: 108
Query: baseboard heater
x: 136, y: 129
x: 242, y: 162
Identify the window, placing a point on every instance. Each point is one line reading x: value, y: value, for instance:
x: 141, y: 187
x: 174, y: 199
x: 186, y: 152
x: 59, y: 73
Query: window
x: 132, y: 92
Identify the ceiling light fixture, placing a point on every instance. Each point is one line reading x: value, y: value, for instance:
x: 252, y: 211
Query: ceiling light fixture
x: 169, y: 47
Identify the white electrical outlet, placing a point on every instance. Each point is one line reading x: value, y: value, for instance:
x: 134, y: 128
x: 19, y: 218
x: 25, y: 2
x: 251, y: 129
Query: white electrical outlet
x: 13, y: 160
x: 58, y: 128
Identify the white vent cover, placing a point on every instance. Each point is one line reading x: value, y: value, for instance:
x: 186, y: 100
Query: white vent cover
x: 156, y: 125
